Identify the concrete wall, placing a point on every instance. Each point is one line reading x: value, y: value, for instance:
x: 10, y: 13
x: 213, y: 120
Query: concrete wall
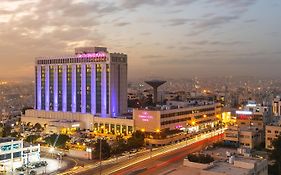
x: 187, y: 163
x: 270, y: 134
x: 167, y: 140
x: 149, y: 121
x: 205, y: 172
x: 80, y: 154
x: 86, y: 120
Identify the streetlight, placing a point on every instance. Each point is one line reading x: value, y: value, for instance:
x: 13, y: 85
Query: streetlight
x: 100, y: 156
x: 150, y: 147
x: 158, y: 133
x: 186, y: 133
x: 52, y: 149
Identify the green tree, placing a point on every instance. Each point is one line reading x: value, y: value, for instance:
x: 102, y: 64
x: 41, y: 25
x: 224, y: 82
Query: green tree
x: 119, y: 146
x: 1, y: 131
x: 105, y: 149
x: 136, y: 141
x: 32, y: 138
x: 200, y: 158
x: 15, y: 134
x: 275, y: 155
x: 38, y: 126
x: 61, y: 140
x: 6, y: 130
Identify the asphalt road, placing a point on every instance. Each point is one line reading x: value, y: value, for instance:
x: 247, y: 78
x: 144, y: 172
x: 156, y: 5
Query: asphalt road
x: 70, y: 162
x: 148, y: 161
x: 166, y: 162
x: 155, y: 165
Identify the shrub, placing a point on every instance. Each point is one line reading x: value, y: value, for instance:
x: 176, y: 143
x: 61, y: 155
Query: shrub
x: 200, y: 158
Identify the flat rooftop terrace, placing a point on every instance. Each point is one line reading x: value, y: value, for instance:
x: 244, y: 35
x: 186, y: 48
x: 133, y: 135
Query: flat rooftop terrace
x: 227, y: 168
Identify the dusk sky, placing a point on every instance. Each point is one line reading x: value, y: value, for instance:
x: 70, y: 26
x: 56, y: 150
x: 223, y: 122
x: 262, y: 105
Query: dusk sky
x: 163, y: 38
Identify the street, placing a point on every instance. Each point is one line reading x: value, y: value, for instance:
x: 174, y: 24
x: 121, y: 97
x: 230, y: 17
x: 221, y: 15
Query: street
x: 168, y: 161
x: 120, y: 166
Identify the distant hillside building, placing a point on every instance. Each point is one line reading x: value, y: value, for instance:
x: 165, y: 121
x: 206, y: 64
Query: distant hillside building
x: 276, y: 106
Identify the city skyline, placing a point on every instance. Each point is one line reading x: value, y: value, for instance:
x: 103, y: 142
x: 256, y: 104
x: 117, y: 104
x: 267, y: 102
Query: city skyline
x: 140, y: 87
x: 187, y: 37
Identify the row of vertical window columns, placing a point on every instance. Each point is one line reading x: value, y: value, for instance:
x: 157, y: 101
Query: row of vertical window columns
x: 39, y: 93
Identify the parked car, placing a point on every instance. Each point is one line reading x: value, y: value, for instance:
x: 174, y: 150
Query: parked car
x: 32, y: 172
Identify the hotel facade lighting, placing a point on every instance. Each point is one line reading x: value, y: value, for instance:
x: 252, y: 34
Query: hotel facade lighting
x: 91, y: 81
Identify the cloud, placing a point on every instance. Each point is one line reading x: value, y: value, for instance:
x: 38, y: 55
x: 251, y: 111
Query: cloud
x: 185, y: 48
x: 145, y: 33
x: 120, y: 24
x: 183, y: 2
x: 177, y: 21
x: 223, y: 43
x: 5, y: 11
x: 250, y: 21
x: 235, y: 4
x: 33, y: 28
x: 209, y: 23
x: 151, y: 57
x: 36, y: 28
x: 219, y: 61
x: 131, y: 4
x: 213, y: 21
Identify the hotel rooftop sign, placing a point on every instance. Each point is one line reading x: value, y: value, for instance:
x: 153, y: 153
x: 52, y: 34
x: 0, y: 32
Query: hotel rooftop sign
x: 78, y: 58
x: 90, y: 55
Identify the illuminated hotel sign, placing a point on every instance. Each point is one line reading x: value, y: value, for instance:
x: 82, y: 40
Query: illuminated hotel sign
x: 251, y: 105
x: 244, y: 115
x: 178, y: 126
x: 244, y: 112
x: 145, y: 117
x: 90, y: 55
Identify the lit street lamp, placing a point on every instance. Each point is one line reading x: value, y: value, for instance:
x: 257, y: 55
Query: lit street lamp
x: 100, y: 156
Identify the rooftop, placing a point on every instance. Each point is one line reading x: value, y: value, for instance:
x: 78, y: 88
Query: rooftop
x: 179, y: 105
x: 66, y: 121
x: 7, y: 139
x: 229, y: 169
x: 276, y: 121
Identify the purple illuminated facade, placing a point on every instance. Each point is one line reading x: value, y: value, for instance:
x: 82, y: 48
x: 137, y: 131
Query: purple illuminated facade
x: 64, y: 88
x: 91, y: 81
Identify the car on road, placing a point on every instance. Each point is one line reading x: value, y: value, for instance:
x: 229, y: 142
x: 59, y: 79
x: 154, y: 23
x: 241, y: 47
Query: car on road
x: 32, y: 172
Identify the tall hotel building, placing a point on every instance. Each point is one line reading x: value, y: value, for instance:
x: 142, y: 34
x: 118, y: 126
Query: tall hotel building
x: 92, y: 81
x: 88, y: 90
